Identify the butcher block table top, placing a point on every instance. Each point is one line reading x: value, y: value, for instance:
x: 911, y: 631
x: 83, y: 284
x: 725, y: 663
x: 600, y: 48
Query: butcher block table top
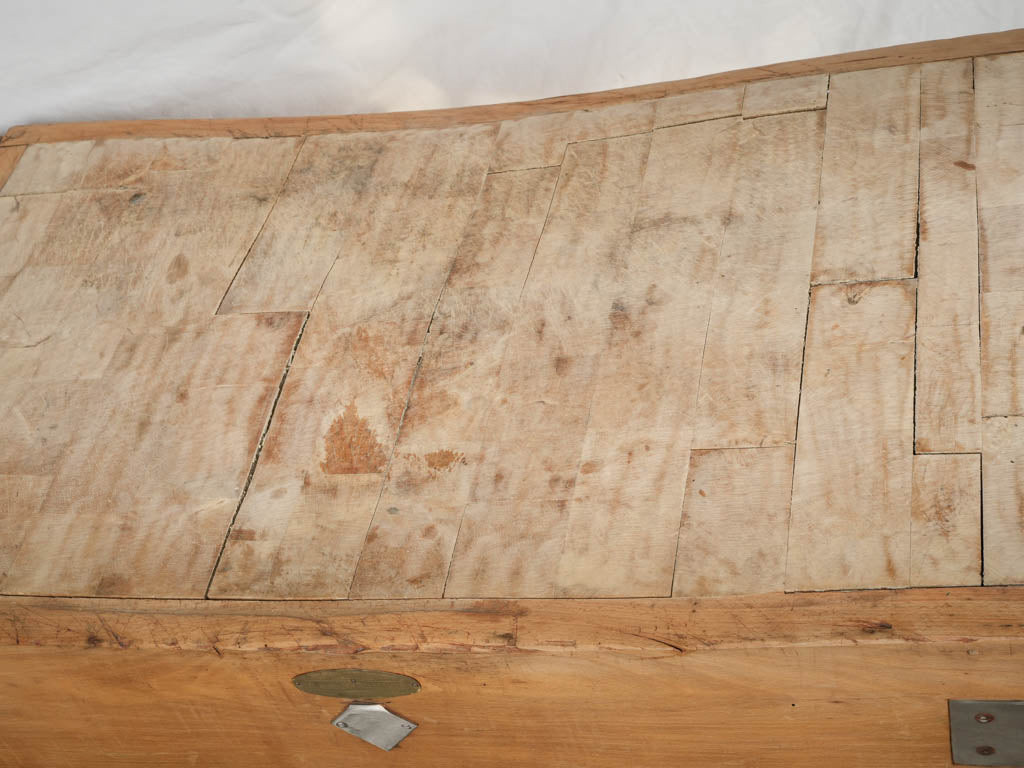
x: 762, y: 337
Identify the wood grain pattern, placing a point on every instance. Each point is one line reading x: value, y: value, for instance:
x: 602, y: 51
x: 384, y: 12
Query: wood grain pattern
x: 409, y: 545
x: 852, y: 481
x: 750, y: 374
x: 304, y: 520
x: 1000, y: 141
x: 537, y: 142
x: 948, y: 395
x: 623, y: 519
x: 189, y: 402
x: 867, y: 218
x: 337, y: 192
x: 115, y: 685
x: 512, y: 539
x: 502, y: 376
x: 892, y: 56
x: 1003, y: 531
x: 945, y: 531
x: 136, y: 410
x: 521, y: 383
x: 698, y: 106
x: 735, y: 524
x: 792, y: 94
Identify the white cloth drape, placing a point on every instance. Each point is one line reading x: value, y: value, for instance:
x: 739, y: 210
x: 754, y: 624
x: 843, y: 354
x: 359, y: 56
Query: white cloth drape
x: 67, y: 60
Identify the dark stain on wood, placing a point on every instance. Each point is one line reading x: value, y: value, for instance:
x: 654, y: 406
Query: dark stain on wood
x: 964, y: 164
x: 351, y: 447
x: 444, y: 459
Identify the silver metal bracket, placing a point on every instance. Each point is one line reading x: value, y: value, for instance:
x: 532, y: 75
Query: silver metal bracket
x: 987, y: 732
x: 375, y: 724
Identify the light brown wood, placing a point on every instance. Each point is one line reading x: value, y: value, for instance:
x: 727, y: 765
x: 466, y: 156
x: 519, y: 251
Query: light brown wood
x: 623, y: 517
x: 867, y: 217
x: 948, y: 394
x: 339, y: 189
x: 513, y: 533
x: 114, y: 365
x: 395, y: 462
x: 945, y: 530
x: 409, y: 545
x: 793, y: 94
x: 911, y: 53
x: 732, y: 539
x: 110, y: 524
x: 1000, y: 141
x: 850, y: 523
x: 208, y: 683
x: 750, y: 370
x: 522, y: 382
x: 538, y: 142
x: 698, y: 106
x: 304, y: 520
x: 1004, y: 499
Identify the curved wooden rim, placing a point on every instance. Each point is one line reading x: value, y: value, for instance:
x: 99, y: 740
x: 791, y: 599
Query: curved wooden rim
x: 261, y: 127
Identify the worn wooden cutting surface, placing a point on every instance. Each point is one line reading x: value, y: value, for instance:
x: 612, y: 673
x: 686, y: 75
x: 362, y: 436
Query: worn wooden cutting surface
x: 756, y: 339
x: 685, y: 347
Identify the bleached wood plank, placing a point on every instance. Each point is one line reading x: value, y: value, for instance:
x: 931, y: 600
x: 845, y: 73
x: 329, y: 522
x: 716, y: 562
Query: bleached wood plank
x: 539, y: 141
x: 1000, y: 176
x: 698, y: 106
x: 1003, y: 488
x: 20, y: 499
x: 410, y: 541
x: 338, y: 191
x: 150, y: 481
x: 867, y: 218
x: 750, y: 377
x: 1002, y: 353
x: 791, y: 94
x: 23, y: 223
x: 260, y: 165
x: 948, y: 400
x: 623, y: 517
x: 322, y: 469
x: 850, y: 525
x: 733, y: 535
x: 542, y: 398
x: 137, y: 243
x: 945, y: 534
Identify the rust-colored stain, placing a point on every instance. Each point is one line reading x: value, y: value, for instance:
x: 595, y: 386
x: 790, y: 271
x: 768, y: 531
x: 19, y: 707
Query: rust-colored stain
x: 964, y: 164
x: 370, y: 350
x: 444, y: 459
x: 351, y: 446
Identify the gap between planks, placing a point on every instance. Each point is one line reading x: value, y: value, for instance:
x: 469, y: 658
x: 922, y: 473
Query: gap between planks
x: 277, y: 197
x: 256, y: 455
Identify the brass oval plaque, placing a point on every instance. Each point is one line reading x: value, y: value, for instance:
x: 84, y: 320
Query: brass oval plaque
x: 356, y: 683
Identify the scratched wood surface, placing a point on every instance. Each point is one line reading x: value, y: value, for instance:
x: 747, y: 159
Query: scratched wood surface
x: 759, y: 338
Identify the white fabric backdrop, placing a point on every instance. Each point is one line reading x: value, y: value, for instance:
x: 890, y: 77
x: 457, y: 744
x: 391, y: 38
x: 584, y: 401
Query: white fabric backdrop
x: 63, y: 60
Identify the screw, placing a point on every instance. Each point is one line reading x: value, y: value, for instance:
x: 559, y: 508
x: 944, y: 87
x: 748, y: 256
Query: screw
x: 986, y: 750
x: 984, y: 717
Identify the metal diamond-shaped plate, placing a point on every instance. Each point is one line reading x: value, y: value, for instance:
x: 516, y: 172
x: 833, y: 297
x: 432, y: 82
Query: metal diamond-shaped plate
x: 373, y: 723
x: 987, y: 732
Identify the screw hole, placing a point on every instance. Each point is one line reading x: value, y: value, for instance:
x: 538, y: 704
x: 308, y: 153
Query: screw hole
x: 986, y: 750
x: 984, y: 717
